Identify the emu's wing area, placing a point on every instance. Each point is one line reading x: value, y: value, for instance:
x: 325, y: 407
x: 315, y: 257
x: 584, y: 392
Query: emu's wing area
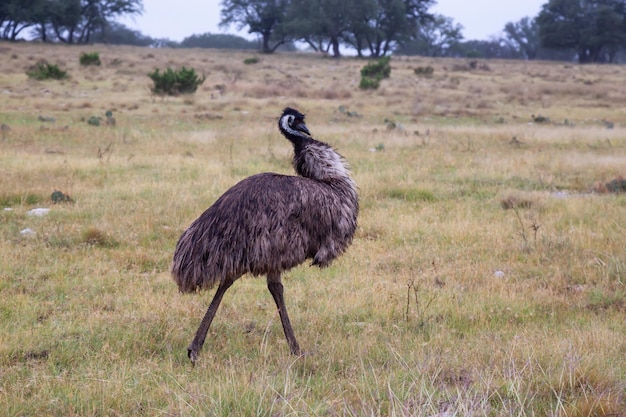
x: 265, y: 223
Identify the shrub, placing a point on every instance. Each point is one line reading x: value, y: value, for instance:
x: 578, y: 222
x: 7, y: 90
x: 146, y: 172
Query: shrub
x: 618, y: 185
x: 379, y: 69
x: 94, y: 121
x: 252, y: 60
x: 60, y: 197
x: 174, y: 82
x: 374, y: 72
x: 45, y: 71
x: 427, y: 71
x: 89, y: 58
x: 369, y: 83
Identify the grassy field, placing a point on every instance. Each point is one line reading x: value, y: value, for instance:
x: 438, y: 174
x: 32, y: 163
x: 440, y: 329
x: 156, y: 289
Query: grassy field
x: 487, y: 277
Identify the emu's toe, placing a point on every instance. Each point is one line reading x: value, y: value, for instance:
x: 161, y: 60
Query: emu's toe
x: 193, y: 355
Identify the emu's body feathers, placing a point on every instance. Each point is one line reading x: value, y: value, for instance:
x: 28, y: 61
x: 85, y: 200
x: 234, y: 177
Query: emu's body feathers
x: 265, y: 223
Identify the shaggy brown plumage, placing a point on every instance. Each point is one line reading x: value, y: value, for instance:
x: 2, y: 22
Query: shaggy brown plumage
x: 269, y: 223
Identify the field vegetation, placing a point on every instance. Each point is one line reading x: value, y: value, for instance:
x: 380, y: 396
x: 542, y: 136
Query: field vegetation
x: 487, y: 277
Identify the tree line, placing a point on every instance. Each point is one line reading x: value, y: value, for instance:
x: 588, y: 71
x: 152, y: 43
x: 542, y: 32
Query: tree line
x: 67, y: 21
x: 583, y: 30
x: 372, y: 27
x: 587, y: 30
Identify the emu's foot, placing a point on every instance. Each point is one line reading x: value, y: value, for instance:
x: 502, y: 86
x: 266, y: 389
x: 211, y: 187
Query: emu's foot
x: 193, y: 355
x: 304, y: 354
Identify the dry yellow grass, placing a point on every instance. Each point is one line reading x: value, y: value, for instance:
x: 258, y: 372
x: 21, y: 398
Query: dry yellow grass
x: 486, y: 277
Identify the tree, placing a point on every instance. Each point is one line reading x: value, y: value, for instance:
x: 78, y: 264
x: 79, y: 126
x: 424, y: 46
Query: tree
x: 594, y: 29
x: 118, y: 34
x: 322, y: 24
x: 383, y: 24
x: 488, y: 49
x: 17, y: 15
x: 359, y: 30
x: 264, y: 17
x: 75, y: 21
x: 524, y: 36
x: 209, y: 40
x: 611, y: 29
x: 434, y: 38
x: 65, y: 17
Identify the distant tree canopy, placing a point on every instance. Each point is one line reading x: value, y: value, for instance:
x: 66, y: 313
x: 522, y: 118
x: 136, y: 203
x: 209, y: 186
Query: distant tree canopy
x: 594, y: 29
x: 117, y: 34
x: 322, y: 24
x: 209, y: 40
x: 377, y: 26
x: 17, y: 15
x: 436, y: 37
x: 263, y: 17
x: 524, y: 37
x: 68, y: 21
x: 586, y: 30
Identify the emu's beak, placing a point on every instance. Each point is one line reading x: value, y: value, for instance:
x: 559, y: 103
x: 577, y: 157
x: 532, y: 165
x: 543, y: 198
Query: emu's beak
x: 299, y: 125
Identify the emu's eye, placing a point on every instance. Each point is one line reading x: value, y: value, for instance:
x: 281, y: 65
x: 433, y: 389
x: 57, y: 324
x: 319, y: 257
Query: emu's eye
x: 291, y: 120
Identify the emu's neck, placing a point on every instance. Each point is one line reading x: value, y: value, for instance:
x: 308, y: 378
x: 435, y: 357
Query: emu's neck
x: 318, y: 161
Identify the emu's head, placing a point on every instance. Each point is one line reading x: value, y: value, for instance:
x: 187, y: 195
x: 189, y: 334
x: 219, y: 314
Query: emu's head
x: 292, y: 125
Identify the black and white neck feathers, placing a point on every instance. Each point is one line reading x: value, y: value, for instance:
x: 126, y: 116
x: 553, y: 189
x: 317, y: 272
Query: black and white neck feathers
x: 312, y: 159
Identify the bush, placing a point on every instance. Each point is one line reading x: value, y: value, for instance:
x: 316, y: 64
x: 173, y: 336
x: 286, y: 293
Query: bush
x: 60, y: 197
x: 171, y: 82
x: 94, y: 121
x: 427, y: 71
x: 45, y: 71
x: 369, y: 83
x: 374, y: 72
x: 89, y: 58
x: 379, y: 69
x: 252, y: 60
x: 618, y: 185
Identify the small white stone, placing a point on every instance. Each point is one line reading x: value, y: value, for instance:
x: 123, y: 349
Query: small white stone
x: 498, y: 274
x: 39, y: 211
x: 27, y: 232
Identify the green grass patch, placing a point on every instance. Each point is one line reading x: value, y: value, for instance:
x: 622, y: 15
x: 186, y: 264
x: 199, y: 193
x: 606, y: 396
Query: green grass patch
x: 411, y: 195
x: 27, y: 199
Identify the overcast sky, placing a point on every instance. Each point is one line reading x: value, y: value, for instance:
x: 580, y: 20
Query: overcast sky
x: 179, y: 19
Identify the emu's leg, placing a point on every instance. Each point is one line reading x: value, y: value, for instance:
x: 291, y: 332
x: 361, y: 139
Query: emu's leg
x: 276, y: 289
x: 196, y: 345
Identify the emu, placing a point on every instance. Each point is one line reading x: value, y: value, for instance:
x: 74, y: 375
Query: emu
x: 269, y: 223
